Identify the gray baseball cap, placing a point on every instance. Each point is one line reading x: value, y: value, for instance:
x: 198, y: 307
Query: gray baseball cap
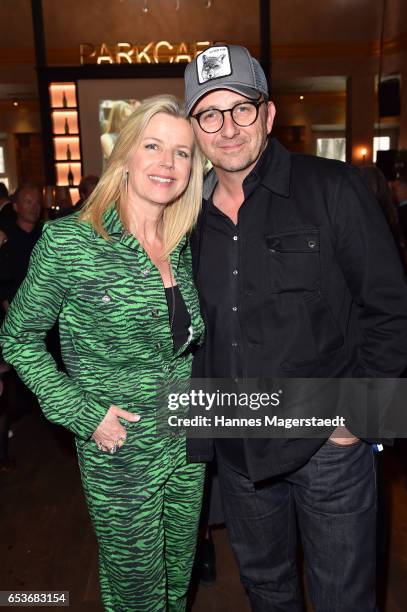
x: 224, y: 67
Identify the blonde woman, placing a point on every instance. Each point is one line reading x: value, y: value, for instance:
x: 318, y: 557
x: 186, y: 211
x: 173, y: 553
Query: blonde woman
x: 118, y: 275
x: 119, y: 113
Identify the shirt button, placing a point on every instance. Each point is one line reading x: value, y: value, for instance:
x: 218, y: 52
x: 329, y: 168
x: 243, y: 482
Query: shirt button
x: 234, y: 308
x: 235, y: 272
x: 234, y: 237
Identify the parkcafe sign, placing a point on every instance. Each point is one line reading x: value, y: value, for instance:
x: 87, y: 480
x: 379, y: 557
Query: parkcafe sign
x: 162, y: 52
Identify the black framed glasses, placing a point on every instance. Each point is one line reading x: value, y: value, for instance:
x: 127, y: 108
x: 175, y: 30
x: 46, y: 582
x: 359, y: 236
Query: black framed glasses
x: 242, y: 113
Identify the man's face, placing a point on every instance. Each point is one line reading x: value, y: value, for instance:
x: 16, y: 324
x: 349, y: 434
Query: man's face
x: 233, y: 148
x: 28, y: 206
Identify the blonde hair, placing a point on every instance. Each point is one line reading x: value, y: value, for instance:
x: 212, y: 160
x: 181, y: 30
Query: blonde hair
x: 179, y: 216
x: 117, y: 116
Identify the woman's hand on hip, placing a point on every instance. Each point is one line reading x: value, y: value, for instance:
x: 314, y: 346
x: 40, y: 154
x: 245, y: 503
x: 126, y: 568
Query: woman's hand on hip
x: 110, y: 434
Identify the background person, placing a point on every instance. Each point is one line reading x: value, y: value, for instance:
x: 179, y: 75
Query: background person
x: 119, y: 113
x: 86, y: 186
x: 118, y: 274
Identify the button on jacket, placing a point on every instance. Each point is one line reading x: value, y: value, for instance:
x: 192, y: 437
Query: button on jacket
x: 308, y: 284
x: 114, y: 324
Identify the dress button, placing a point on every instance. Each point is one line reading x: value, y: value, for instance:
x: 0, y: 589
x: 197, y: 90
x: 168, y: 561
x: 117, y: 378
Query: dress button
x: 145, y: 272
x: 155, y: 312
x: 235, y: 238
x: 106, y: 298
x: 235, y: 272
x: 234, y: 308
x: 159, y: 345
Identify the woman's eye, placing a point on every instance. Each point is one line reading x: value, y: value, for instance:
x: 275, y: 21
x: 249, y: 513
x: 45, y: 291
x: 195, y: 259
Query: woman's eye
x: 151, y: 145
x: 184, y: 154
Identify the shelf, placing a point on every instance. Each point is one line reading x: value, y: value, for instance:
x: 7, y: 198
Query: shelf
x: 70, y: 135
x: 62, y: 116
x: 64, y: 108
x: 64, y: 160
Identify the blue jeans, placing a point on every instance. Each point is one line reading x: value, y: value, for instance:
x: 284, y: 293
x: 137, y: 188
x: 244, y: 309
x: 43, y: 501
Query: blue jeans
x: 331, y: 501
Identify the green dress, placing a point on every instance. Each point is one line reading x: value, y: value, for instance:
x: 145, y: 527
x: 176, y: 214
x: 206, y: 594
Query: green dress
x: 116, y: 343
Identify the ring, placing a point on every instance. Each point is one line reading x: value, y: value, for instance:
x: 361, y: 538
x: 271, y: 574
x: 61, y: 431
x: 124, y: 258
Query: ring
x: 114, y: 448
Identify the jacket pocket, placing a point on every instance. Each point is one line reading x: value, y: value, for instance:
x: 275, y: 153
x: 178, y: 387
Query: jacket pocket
x: 293, y: 260
x: 103, y: 309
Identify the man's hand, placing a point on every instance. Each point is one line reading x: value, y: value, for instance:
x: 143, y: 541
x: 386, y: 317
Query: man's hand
x: 110, y: 434
x: 343, y: 437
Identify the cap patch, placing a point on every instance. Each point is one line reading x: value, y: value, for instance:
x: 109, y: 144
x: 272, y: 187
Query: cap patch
x: 213, y: 63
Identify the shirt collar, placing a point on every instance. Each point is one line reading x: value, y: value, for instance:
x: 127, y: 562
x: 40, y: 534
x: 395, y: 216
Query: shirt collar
x: 273, y: 169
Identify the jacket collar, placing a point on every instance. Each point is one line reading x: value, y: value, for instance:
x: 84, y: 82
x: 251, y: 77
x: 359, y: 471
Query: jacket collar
x: 112, y: 222
x: 115, y: 229
x: 272, y: 170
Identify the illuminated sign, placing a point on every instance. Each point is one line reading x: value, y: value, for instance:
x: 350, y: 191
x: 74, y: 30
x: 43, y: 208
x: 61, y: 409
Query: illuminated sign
x: 162, y: 52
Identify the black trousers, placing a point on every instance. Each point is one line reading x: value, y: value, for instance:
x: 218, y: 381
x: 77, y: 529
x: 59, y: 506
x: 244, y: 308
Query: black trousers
x: 331, y: 501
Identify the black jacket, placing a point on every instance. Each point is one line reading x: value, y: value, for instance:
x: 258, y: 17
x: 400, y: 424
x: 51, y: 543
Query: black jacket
x: 324, y: 292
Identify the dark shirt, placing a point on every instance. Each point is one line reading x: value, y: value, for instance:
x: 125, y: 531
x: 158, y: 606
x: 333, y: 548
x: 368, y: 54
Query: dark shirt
x: 15, y: 256
x: 178, y: 315
x: 220, y: 259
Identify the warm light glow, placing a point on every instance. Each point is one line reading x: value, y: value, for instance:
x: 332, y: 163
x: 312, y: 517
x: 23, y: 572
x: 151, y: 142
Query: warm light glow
x: 62, y: 95
x: 301, y: 97
x: 64, y: 112
x: 363, y: 151
x: 62, y: 86
x: 15, y: 103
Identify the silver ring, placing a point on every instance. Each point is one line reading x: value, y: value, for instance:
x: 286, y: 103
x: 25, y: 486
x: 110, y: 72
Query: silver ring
x: 114, y: 448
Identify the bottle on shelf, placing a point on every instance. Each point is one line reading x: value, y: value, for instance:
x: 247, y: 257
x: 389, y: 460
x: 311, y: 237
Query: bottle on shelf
x: 70, y: 177
x: 66, y: 126
x: 64, y: 100
x: 68, y: 152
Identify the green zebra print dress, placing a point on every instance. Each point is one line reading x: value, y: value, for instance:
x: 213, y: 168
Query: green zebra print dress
x: 116, y: 343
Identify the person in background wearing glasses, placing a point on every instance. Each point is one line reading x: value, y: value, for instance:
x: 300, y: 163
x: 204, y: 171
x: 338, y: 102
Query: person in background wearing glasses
x: 118, y: 276
x: 298, y: 277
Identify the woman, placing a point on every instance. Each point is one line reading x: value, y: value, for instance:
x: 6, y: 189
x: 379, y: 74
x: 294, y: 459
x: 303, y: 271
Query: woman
x: 108, y: 273
x: 119, y: 113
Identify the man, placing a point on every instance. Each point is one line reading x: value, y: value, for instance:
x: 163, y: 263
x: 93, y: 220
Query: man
x: 86, y: 187
x: 298, y: 278
x: 21, y: 236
